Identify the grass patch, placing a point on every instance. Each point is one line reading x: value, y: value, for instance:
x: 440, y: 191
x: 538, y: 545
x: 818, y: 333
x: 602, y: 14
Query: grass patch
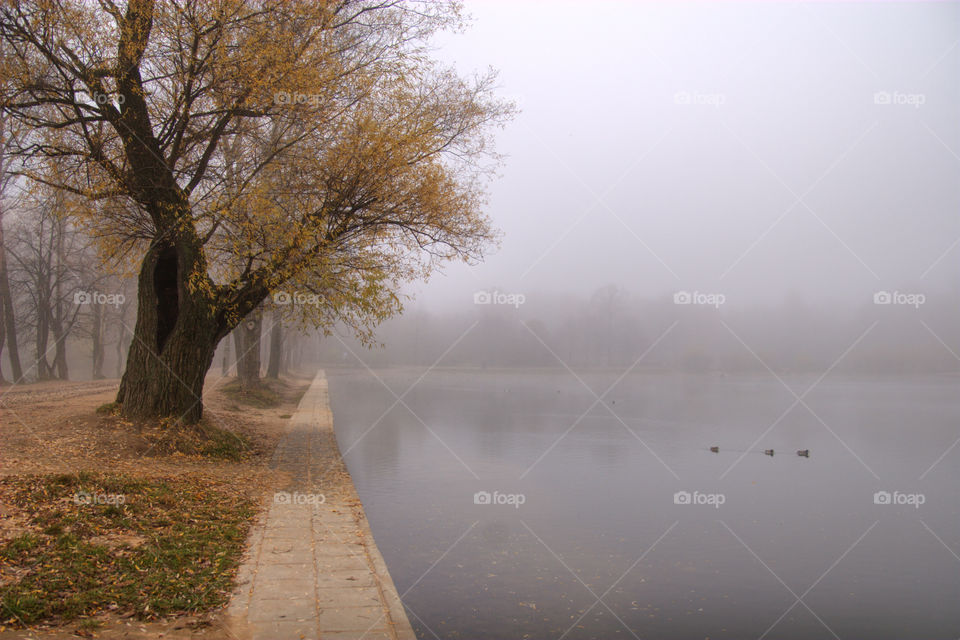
x: 261, y: 396
x: 109, y: 409
x: 202, y: 439
x: 104, y: 542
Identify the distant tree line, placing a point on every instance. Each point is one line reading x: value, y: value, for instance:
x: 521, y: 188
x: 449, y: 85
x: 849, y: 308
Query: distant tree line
x: 613, y: 327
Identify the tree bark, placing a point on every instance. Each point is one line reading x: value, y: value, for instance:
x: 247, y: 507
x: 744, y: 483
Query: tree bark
x: 7, y: 322
x: 57, y: 321
x: 44, y: 370
x: 276, y: 348
x: 119, y: 347
x: 174, y: 339
x: 60, y: 368
x: 96, y: 334
x: 286, y: 354
x: 248, y: 349
x: 225, y: 363
x: 237, y: 350
x: 6, y: 309
x: 3, y: 339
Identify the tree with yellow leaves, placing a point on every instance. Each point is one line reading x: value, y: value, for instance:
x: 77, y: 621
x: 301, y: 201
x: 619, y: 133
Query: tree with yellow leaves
x: 248, y: 150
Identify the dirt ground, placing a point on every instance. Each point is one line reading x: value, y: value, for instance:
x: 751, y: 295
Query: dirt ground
x: 54, y: 427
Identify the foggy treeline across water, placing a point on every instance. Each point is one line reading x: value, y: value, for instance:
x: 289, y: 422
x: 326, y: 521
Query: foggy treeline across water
x: 685, y: 330
x: 893, y: 333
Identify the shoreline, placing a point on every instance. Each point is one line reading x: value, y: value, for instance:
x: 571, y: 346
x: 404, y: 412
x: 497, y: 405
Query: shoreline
x: 312, y: 568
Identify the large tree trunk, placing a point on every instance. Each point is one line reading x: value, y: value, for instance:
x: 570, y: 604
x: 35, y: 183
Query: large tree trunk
x: 61, y: 371
x: 286, y: 353
x: 96, y: 334
x: 174, y: 339
x: 3, y: 338
x: 119, y: 346
x: 276, y: 348
x: 42, y: 338
x: 58, y: 322
x: 248, y: 349
x: 8, y: 324
x: 225, y: 363
x: 237, y: 350
x: 6, y: 309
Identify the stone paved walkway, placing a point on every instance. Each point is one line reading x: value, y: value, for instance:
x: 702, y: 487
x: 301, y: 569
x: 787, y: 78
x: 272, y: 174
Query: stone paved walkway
x: 312, y: 568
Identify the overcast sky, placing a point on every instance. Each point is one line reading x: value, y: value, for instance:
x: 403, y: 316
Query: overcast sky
x: 739, y: 148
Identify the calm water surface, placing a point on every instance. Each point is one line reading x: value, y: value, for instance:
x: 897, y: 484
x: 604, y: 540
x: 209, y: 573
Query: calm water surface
x: 600, y: 548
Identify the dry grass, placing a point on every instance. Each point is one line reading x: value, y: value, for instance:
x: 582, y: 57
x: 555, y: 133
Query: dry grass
x: 65, y: 570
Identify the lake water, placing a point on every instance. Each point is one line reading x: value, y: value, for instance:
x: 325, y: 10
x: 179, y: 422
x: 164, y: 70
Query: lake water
x: 781, y: 546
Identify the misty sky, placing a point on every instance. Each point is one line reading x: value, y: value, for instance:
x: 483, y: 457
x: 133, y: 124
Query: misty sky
x: 736, y: 148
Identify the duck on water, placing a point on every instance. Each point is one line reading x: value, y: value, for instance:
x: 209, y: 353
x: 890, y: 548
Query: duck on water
x: 803, y: 453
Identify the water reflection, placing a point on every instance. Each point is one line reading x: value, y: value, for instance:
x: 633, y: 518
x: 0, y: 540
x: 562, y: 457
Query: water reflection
x: 599, y: 518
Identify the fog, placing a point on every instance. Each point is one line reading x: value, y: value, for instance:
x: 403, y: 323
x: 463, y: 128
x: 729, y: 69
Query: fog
x: 796, y: 158
x: 787, y: 178
x: 704, y: 384
x: 789, y: 169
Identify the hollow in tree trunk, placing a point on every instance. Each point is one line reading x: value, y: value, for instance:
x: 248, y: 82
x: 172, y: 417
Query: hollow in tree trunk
x: 174, y: 339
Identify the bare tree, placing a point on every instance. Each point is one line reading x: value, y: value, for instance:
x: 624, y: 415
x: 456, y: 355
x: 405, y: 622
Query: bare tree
x: 51, y: 270
x: 8, y: 323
